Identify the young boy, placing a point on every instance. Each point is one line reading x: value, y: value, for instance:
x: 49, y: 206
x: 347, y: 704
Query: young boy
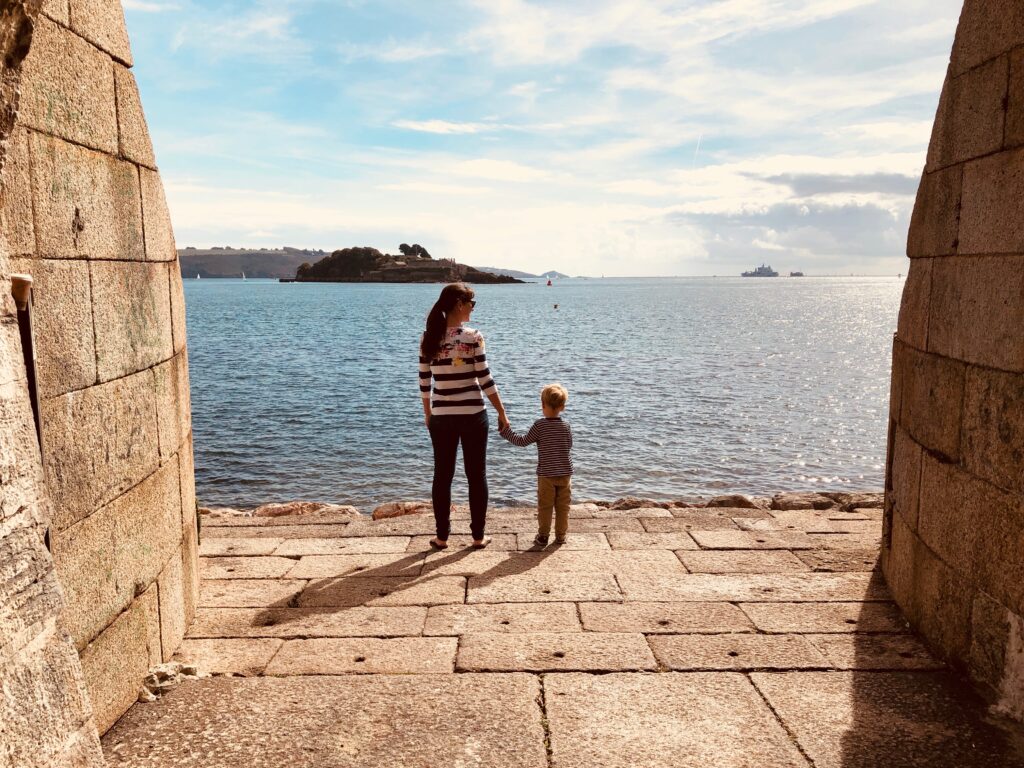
x: 554, y: 463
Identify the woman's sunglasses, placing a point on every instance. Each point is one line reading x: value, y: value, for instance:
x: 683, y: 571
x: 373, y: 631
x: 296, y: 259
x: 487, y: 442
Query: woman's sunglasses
x: 471, y: 302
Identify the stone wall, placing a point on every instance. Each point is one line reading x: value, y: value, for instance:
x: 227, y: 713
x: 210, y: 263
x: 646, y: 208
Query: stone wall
x: 83, y: 212
x: 954, y: 554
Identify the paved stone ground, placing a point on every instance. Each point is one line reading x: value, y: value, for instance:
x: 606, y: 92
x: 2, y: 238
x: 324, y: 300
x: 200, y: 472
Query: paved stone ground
x: 690, y: 637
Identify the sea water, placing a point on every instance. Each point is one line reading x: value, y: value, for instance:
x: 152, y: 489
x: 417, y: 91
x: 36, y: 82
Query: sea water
x: 677, y: 386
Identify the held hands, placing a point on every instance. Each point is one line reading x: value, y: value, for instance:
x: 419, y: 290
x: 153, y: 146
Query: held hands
x: 502, y: 421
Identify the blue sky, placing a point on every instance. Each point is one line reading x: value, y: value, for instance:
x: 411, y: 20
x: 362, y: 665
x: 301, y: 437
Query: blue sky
x: 614, y: 137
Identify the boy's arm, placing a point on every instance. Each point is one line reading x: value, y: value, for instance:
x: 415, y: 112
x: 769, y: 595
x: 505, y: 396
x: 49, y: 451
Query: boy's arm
x: 568, y: 428
x: 516, y: 439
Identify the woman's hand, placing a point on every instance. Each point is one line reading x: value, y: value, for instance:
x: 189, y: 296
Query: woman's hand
x: 502, y: 421
x: 426, y: 413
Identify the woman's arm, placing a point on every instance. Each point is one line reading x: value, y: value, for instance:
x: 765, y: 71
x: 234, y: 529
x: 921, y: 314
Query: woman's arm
x: 425, y: 388
x: 495, y: 399
x: 486, y: 381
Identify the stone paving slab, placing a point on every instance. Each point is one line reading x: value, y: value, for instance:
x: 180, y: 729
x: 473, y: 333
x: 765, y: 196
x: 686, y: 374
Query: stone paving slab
x: 244, y: 567
x: 343, y: 546
x: 247, y: 656
x: 238, y: 547
x: 406, y: 564
x: 355, y: 591
x: 410, y: 525
x: 689, y: 522
x: 845, y: 541
x: 274, y: 521
x: 543, y: 588
x: 249, y: 593
x: 471, y: 562
x: 838, y: 560
x: 678, y: 540
x: 825, y: 617
x: 365, y: 655
x: 736, y: 652
x: 742, y: 561
x: 752, y: 540
x: 665, y: 720
x: 576, y: 540
x: 772, y: 587
x: 667, y: 618
x: 724, y: 512
x: 308, y: 622
x: 365, y: 721
x: 501, y: 542
x: 605, y: 513
x: 891, y: 719
x: 874, y: 652
x: 275, y: 531
x: 804, y: 520
x: 554, y: 651
x: 502, y: 617
x: 603, y: 525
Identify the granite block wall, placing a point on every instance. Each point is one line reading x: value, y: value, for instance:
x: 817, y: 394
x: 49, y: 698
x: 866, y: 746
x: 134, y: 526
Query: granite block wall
x: 954, y: 547
x: 82, y: 211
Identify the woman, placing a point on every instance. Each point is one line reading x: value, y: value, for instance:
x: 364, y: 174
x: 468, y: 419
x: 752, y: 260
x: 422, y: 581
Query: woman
x: 453, y: 355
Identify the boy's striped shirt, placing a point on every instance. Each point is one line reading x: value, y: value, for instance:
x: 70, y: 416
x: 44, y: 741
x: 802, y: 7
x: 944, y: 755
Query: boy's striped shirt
x: 554, y: 445
x: 460, y: 374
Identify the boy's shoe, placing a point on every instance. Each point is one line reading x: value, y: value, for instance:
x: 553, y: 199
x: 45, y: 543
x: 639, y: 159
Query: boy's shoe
x: 560, y: 539
x: 541, y: 539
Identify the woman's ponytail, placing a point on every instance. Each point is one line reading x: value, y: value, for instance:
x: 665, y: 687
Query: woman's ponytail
x: 437, y: 320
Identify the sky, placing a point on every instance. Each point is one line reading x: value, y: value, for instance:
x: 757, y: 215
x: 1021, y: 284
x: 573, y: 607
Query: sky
x: 614, y: 137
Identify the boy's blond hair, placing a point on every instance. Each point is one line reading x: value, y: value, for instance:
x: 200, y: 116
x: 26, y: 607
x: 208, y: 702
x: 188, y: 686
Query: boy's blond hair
x: 554, y: 396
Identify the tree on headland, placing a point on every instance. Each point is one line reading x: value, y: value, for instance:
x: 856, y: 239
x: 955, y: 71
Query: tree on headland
x: 405, y: 249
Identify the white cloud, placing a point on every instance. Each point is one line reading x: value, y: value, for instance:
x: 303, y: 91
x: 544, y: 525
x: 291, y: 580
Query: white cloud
x: 443, y: 126
x: 392, y: 51
x: 149, y: 7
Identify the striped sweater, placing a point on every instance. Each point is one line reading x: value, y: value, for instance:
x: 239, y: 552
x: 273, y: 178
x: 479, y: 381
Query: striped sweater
x: 460, y: 374
x: 554, y: 445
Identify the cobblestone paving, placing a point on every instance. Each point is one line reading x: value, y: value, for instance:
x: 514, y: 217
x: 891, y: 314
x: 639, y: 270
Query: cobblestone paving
x: 696, y: 637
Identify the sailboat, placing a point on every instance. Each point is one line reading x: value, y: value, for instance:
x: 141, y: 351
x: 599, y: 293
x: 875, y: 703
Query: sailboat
x: 197, y: 275
x: 243, y: 275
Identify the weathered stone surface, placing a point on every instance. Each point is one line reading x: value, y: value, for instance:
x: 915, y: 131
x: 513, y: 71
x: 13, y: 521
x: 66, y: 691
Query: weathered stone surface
x: 29, y: 589
x: 840, y: 560
x: 988, y: 28
x: 825, y: 617
x: 692, y: 521
x: 42, y: 702
x: 1015, y: 103
x: 173, y: 406
x: 248, y: 656
x: 598, y: 525
x: 364, y: 723
x: 159, y: 234
x: 554, y: 651
x: 86, y: 204
x: 801, y: 501
x: 115, y: 663
x: 906, y: 477
x: 807, y: 520
x: 898, y: 719
x: 274, y: 531
x: 101, y: 22
x: 845, y: 541
x: 736, y: 652
x: 365, y: 655
x: 187, y: 481
x: 239, y: 547
x: 413, y: 525
x: 632, y: 502
x: 133, y: 537
x: 874, y: 652
x: 133, y: 134
x: 856, y: 500
x: 249, y: 593
x: 173, y: 619
x: 988, y: 221
x: 739, y: 561
x: 606, y: 513
x: 359, y: 565
x: 503, y: 617
x: 933, y: 385
x: 934, y: 231
x: 133, y: 331
x: 432, y: 590
x: 285, y: 513
x: 664, y: 618
x: 177, y: 292
x: 976, y: 309
x: 574, y: 542
x: 959, y: 514
x: 678, y: 540
x: 912, y: 326
x: 245, y: 567
x: 545, y: 587
x: 700, y: 514
x: 57, y: 10
x: 340, y: 546
x: 190, y: 573
x: 776, y: 587
x: 752, y: 540
x: 500, y: 542
x: 308, y: 622
x: 971, y: 115
x: 402, y: 508
x: 695, y: 719
x: 68, y: 90
x: 990, y: 639
x: 993, y: 438
x: 62, y: 324
x: 16, y: 219
x: 732, y: 500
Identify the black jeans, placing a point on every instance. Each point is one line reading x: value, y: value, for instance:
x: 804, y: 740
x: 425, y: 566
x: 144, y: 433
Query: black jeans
x: 446, y: 432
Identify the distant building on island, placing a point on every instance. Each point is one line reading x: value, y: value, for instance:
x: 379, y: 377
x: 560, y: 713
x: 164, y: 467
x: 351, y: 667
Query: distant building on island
x: 368, y: 265
x: 762, y: 271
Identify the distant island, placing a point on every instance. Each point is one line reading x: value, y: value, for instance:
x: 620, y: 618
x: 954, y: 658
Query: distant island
x: 225, y: 261
x: 413, y: 265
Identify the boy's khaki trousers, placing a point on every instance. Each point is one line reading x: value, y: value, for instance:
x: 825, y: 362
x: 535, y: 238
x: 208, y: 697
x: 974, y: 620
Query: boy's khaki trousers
x: 553, y: 493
